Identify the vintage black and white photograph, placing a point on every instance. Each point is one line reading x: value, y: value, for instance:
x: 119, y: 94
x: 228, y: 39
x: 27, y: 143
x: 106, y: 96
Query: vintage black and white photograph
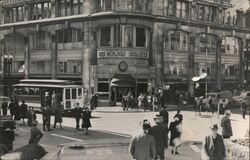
x: 124, y: 79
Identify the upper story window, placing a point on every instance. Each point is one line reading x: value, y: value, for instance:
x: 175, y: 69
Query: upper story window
x: 69, y: 38
x: 176, y: 40
x: 181, y: 9
x: 40, y: 41
x: 171, y: 8
x: 123, y: 36
x: 13, y: 42
x: 124, y: 5
x: 207, y: 43
x: 201, y: 14
x: 69, y: 7
x: 105, y: 5
x: 14, y: 14
x: 40, y: 11
x: 230, y: 46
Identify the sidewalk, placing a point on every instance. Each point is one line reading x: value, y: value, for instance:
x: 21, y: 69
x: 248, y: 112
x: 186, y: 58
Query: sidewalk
x: 119, y: 109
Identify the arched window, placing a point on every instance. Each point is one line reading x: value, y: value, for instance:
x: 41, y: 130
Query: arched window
x: 176, y: 40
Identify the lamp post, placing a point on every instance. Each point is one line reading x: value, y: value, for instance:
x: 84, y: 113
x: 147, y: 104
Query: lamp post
x: 7, y: 69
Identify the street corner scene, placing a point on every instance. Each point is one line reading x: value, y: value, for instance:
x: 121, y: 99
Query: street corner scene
x: 124, y: 79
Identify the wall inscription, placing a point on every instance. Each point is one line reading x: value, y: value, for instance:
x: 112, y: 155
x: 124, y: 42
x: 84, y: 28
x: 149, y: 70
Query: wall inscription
x: 128, y: 54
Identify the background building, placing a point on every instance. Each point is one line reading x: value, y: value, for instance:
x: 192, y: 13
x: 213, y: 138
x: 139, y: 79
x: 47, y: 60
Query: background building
x: 116, y: 46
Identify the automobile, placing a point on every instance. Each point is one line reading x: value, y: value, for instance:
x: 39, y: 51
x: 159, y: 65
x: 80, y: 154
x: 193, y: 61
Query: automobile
x: 216, y: 96
x: 243, y: 97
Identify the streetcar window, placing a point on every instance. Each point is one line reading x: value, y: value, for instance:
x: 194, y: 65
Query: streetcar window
x: 79, y: 93
x: 73, y: 93
x: 67, y: 94
x: 68, y: 104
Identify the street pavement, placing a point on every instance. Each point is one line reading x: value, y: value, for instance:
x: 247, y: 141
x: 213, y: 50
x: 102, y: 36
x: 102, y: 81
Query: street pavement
x: 112, y: 129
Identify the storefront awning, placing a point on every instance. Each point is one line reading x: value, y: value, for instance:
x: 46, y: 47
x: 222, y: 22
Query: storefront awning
x: 122, y: 80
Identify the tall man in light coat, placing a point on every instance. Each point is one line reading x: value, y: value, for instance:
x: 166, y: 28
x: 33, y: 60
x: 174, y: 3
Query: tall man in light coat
x: 142, y: 146
x: 226, y: 125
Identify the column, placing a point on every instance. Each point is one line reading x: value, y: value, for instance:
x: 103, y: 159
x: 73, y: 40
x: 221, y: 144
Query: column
x: 26, y: 58
x: 87, y: 51
x: 53, y: 54
x: 191, y: 49
x: 241, y: 54
x: 218, y: 64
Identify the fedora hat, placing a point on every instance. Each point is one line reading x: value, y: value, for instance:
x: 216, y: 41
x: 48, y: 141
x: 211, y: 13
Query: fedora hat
x: 214, y: 126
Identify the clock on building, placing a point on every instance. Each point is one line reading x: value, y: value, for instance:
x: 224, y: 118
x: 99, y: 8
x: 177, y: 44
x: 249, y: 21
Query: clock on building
x: 123, y: 66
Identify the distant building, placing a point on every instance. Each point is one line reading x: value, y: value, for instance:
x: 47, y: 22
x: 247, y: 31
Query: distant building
x: 116, y: 46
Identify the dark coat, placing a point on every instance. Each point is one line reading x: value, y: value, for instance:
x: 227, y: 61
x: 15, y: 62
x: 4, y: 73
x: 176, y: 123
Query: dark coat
x: 23, y: 110
x: 46, y: 112
x: 226, y: 127
x: 93, y: 101
x: 58, y: 114
x: 164, y: 114
x: 86, y: 119
x: 213, y: 148
x: 4, y: 107
x: 12, y: 108
x: 31, y: 116
x: 175, y: 133
x: 160, y: 134
x: 77, y: 112
x: 180, y: 116
x: 17, y: 112
x: 35, y: 135
x: 142, y: 147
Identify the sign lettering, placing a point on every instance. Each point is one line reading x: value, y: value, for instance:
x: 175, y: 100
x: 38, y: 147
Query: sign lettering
x: 129, y: 54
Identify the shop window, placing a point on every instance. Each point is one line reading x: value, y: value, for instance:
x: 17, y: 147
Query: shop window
x: 105, y: 36
x: 140, y: 37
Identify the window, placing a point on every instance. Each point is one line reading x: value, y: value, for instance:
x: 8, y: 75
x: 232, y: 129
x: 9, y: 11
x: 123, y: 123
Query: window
x: 13, y: 42
x: 40, y: 11
x: 139, y: 5
x: 207, y: 42
x: 124, y: 5
x: 15, y: 14
x: 70, y: 67
x: 40, y: 40
x: 40, y: 66
x: 213, y: 14
x: 105, y: 5
x: 105, y: 36
x: 176, y: 40
x: 69, y: 7
x: 70, y: 35
x: 201, y: 14
x: 171, y: 8
x: 140, y: 37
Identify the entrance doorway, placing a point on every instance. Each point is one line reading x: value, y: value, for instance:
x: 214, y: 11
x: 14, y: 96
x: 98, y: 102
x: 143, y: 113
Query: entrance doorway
x: 142, y: 88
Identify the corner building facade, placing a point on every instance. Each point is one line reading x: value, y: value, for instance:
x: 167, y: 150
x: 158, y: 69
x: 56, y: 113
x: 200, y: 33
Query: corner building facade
x: 115, y: 46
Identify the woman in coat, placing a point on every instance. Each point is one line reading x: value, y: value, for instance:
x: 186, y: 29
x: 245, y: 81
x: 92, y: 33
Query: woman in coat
x: 58, y: 114
x: 17, y: 112
x: 23, y: 111
x: 86, y: 115
x: 175, y: 130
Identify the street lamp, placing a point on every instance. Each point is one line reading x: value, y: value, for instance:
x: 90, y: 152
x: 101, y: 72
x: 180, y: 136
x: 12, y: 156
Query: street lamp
x: 7, y: 69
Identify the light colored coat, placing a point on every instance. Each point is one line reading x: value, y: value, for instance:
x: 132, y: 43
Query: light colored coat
x: 142, y: 147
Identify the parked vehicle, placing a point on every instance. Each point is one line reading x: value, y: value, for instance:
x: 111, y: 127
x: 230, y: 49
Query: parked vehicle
x: 243, y: 97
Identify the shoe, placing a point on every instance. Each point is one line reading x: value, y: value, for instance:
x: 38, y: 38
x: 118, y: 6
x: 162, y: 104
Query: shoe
x: 177, y: 152
x: 172, y: 151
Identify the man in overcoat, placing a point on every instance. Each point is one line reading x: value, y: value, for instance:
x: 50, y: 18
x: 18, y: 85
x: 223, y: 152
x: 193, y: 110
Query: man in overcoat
x: 160, y: 134
x: 142, y: 145
x: 46, y: 112
x: 77, y: 114
x: 226, y: 125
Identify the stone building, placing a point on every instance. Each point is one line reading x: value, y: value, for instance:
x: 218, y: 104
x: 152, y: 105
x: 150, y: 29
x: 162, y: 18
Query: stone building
x: 115, y: 46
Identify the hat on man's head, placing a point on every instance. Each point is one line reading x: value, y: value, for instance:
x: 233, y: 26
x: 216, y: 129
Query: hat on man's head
x: 214, y: 126
x: 228, y: 112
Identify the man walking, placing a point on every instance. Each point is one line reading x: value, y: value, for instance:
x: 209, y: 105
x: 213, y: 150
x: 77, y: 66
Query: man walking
x: 35, y: 134
x: 226, y: 125
x: 160, y: 134
x: 46, y: 112
x: 164, y: 114
x: 77, y: 113
x: 142, y: 146
x: 4, y: 106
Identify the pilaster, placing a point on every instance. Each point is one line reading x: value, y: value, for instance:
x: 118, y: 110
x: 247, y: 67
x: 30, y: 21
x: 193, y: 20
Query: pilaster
x: 218, y: 63
x: 53, y: 47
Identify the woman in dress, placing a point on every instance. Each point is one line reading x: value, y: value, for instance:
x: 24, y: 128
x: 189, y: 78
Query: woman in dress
x: 175, y: 138
x: 58, y: 114
x: 86, y: 115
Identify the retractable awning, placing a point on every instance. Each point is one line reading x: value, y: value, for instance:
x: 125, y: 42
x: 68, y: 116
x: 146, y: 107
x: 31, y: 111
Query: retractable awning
x: 122, y: 80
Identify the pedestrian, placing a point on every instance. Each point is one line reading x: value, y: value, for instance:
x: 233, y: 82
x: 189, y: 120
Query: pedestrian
x: 140, y: 98
x: 46, y: 112
x: 58, y: 114
x: 200, y: 104
x: 86, y: 115
x: 150, y: 102
x: 211, y: 104
x: 162, y: 101
x: 35, y: 134
x: 17, y: 111
x: 12, y: 107
x: 142, y: 145
x: 160, y: 134
x: 145, y: 102
x: 23, y: 111
x: 77, y: 114
x: 196, y: 105
x: 175, y: 129
x: 244, y: 110
x: 221, y: 107
x: 180, y: 101
x: 226, y: 125
x: 179, y: 115
x: 93, y: 102
x: 4, y: 106
x: 213, y: 147
x: 130, y: 99
x: 31, y: 116
x: 164, y: 114
x: 156, y: 102
x: 126, y: 102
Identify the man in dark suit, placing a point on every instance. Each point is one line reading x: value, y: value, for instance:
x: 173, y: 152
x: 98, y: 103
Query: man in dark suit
x: 77, y: 113
x: 164, y: 114
x: 226, y: 125
x: 46, y: 112
x: 160, y: 134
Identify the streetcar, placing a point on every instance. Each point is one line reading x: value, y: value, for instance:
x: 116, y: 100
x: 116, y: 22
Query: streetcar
x: 39, y: 92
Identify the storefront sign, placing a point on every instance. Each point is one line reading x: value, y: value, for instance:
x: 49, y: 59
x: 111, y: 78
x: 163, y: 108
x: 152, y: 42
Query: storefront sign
x: 128, y: 54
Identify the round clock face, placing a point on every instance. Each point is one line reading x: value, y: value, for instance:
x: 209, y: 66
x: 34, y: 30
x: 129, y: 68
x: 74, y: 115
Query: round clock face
x: 123, y: 66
